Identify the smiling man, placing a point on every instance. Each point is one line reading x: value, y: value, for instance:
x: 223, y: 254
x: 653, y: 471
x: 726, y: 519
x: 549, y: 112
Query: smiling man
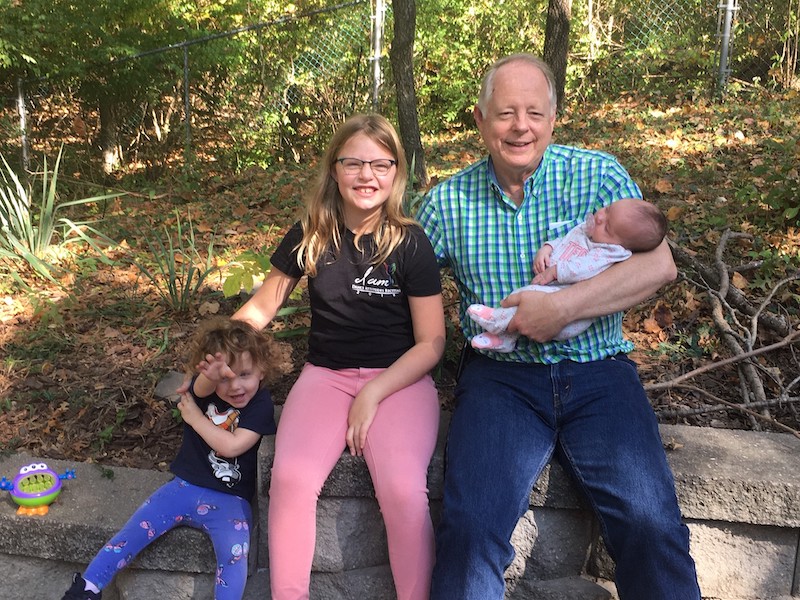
x: 580, y: 399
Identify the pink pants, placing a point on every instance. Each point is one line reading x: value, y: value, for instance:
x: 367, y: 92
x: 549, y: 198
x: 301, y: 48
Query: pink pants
x: 309, y: 442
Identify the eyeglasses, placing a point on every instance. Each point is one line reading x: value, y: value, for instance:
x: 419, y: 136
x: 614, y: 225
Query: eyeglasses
x: 380, y: 166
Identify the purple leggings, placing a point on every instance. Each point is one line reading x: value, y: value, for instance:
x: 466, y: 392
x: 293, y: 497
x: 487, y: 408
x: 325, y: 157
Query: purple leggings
x: 224, y: 517
x: 309, y: 442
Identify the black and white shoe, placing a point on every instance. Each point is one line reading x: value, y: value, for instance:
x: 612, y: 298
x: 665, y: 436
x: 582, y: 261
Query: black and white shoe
x: 78, y: 591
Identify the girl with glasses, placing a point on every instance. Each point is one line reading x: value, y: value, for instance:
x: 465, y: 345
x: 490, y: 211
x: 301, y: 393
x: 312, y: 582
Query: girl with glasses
x: 377, y: 329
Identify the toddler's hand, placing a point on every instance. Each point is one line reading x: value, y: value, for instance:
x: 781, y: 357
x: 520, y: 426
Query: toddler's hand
x: 215, y: 368
x: 189, y: 409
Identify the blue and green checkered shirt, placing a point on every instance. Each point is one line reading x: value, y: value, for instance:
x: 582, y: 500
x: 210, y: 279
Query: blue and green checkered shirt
x: 490, y: 243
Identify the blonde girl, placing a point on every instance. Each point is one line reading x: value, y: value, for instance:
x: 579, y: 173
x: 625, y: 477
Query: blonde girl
x: 377, y: 329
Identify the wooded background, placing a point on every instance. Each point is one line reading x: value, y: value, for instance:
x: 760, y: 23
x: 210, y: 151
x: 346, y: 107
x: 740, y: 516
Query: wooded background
x: 152, y: 84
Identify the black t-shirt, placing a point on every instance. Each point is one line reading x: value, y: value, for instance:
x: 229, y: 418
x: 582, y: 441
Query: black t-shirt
x: 359, y: 312
x: 198, y: 464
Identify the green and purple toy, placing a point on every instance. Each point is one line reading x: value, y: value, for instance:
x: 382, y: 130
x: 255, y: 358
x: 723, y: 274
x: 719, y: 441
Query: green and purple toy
x: 35, y: 487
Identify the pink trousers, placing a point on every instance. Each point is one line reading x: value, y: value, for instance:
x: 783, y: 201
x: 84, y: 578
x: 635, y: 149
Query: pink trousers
x: 309, y: 442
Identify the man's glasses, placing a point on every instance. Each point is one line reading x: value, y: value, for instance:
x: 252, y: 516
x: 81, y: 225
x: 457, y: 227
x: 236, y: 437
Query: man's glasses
x: 380, y: 167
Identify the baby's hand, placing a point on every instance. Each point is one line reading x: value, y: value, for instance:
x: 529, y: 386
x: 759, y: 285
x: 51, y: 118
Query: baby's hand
x: 546, y: 276
x: 542, y: 259
x: 215, y: 368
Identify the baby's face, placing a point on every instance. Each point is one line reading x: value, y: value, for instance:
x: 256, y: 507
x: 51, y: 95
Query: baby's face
x: 610, y: 224
x: 240, y: 389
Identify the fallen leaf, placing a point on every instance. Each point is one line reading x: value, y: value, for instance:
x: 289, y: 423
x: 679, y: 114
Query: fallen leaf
x: 663, y: 186
x: 674, y: 213
x: 739, y: 281
x: 651, y: 325
x: 208, y: 308
x: 663, y: 315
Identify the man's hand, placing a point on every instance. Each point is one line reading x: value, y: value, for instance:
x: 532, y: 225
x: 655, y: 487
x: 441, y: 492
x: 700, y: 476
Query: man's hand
x: 539, y: 317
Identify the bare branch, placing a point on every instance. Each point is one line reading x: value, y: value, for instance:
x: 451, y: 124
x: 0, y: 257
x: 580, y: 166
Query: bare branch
x: 725, y: 404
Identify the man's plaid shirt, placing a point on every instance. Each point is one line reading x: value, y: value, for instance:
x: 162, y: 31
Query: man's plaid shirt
x: 490, y: 243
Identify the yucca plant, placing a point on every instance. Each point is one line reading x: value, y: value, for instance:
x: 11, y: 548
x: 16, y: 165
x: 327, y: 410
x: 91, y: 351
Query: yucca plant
x: 176, y: 268
x: 35, y: 234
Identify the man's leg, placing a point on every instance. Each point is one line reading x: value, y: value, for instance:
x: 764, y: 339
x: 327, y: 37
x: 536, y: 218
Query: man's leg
x: 498, y: 443
x: 610, y: 442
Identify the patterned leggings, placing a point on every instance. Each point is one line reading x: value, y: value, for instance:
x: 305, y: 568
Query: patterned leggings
x: 224, y: 517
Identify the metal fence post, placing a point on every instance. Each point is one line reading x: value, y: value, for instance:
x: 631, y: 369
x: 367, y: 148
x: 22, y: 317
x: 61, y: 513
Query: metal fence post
x: 730, y: 7
x: 377, y: 44
x: 186, y: 104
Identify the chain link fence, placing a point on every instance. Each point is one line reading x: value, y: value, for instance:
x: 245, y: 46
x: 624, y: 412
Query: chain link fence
x: 276, y: 90
x: 680, y: 47
x: 248, y: 96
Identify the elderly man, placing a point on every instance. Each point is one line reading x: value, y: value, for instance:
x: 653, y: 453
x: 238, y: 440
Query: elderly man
x: 580, y: 399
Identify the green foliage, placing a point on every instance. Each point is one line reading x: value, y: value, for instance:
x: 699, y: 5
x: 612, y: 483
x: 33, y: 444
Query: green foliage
x: 692, y: 344
x: 175, y: 266
x: 455, y: 43
x: 782, y: 193
x: 252, y: 267
x: 245, y: 271
x: 36, y: 235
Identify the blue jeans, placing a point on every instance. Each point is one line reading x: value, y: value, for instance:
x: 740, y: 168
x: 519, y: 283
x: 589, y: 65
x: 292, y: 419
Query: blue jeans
x: 509, y: 420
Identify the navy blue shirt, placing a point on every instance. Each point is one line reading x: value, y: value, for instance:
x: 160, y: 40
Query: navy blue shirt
x: 198, y: 464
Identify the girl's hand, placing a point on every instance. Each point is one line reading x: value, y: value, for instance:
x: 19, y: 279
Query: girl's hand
x: 359, y: 419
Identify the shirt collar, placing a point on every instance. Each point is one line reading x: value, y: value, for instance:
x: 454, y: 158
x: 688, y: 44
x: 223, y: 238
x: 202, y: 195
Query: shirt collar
x: 529, y: 183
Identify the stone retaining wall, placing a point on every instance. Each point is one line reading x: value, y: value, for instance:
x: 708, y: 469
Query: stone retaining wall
x: 739, y: 493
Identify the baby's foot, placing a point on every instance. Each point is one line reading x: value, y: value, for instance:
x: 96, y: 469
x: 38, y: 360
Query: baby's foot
x: 491, y: 341
x: 493, y: 320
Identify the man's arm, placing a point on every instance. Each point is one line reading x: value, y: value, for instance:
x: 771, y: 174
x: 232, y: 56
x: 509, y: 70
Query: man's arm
x: 541, y: 316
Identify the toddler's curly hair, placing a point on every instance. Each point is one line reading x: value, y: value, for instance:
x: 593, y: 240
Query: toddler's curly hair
x: 232, y: 338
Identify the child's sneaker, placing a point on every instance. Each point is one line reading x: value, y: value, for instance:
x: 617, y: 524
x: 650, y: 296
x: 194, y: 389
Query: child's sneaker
x: 78, y: 591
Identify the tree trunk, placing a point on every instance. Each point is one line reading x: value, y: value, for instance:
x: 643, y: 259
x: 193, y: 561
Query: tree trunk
x: 556, y: 43
x: 401, y: 55
x: 109, y: 142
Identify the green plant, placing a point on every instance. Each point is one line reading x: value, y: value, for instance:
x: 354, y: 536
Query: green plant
x: 36, y: 236
x: 179, y: 270
x: 107, y: 434
x: 243, y: 273
x: 246, y: 270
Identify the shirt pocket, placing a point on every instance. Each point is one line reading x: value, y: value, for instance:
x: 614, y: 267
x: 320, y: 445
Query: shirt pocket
x: 557, y: 229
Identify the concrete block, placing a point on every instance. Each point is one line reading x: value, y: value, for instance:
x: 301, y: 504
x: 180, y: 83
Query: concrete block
x: 137, y: 584
x: 735, y: 476
x: 561, y: 547
x: 350, y: 535
x: 736, y: 560
x: 569, y: 588
x: 373, y: 583
x: 26, y: 577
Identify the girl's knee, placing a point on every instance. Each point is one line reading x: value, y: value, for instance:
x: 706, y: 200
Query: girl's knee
x: 294, y: 480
